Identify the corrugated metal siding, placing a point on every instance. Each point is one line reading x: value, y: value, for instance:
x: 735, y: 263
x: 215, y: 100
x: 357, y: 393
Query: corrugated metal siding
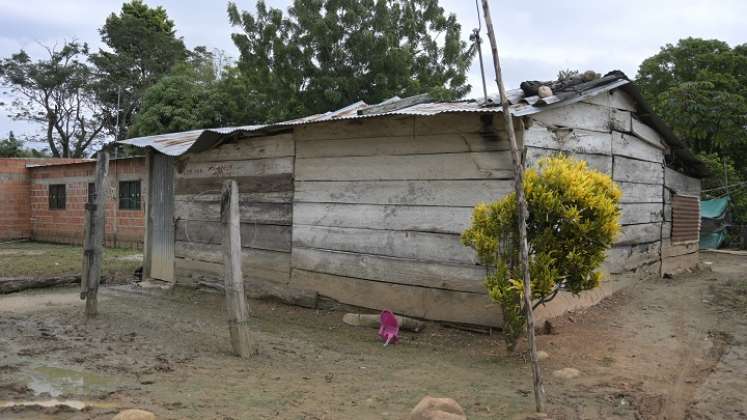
x: 162, y: 216
x: 685, y: 218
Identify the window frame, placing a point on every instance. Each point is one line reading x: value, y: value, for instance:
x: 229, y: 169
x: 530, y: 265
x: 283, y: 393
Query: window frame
x: 129, y: 197
x: 57, y: 196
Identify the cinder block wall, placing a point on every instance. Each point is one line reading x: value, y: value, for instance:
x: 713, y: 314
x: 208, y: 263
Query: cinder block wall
x: 124, y: 228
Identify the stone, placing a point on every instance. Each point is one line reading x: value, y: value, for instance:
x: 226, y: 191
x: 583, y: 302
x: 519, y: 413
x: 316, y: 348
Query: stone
x: 430, y: 408
x: 135, y: 414
x: 542, y: 355
x: 566, y: 373
x: 544, y: 91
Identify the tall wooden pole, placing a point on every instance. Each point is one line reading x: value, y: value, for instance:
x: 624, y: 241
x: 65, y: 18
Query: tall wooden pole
x: 236, y: 307
x: 539, y: 391
x: 93, y: 240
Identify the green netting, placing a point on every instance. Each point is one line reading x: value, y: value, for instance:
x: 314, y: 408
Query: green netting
x: 715, y: 208
x: 712, y: 240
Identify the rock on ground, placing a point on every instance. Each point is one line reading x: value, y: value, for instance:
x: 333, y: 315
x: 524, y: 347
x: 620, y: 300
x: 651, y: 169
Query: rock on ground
x: 566, y: 373
x: 135, y: 414
x: 430, y: 408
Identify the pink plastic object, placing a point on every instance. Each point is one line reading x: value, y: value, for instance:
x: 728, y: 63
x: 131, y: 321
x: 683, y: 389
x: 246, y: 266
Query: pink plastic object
x: 389, y: 327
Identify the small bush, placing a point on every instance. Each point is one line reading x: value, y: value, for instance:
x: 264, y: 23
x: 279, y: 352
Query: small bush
x: 573, y: 219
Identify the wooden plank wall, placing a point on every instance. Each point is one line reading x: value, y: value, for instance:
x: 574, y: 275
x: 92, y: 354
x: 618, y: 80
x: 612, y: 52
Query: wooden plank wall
x: 263, y: 167
x: 379, y: 207
x: 604, y: 131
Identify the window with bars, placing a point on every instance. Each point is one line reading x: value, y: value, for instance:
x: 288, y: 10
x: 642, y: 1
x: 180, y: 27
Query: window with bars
x: 129, y: 195
x: 91, y: 192
x: 57, y: 197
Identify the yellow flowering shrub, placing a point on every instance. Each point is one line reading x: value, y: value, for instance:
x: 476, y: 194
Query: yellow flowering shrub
x: 573, y: 219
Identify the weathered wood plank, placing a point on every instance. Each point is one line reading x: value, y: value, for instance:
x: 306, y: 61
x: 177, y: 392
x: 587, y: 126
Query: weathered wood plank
x: 599, y: 162
x: 418, y: 218
x: 613, y: 99
x: 567, y: 140
x: 496, y: 165
x: 280, y: 145
x: 190, y: 272
x: 579, y: 115
x: 681, y: 183
x: 426, y: 193
x: 424, y: 246
x: 351, y: 129
x: 629, y: 258
x: 621, y: 120
x: 454, y: 123
x: 641, y: 193
x: 633, y: 147
x: 635, y: 213
x: 247, y: 184
x: 253, y: 235
x: 638, y: 234
x: 632, y: 170
x: 673, y: 249
x: 680, y: 263
x: 234, y: 169
x: 647, y: 134
x: 466, y: 278
x: 250, y: 212
x: 253, y: 260
x: 419, y: 302
x: 399, y: 145
x: 248, y: 197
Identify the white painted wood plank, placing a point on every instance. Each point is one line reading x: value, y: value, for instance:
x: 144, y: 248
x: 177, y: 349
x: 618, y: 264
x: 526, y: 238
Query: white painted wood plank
x: 641, y: 193
x: 598, y: 162
x: 621, y: 120
x: 418, y: 218
x: 631, y: 170
x: 280, y: 145
x: 637, y: 234
x: 579, y: 115
x: 681, y: 183
x: 633, y: 147
x: 239, y: 168
x: 628, y: 258
x: 641, y: 213
x: 647, y: 134
x: 574, y: 141
x: 613, y: 99
x: 441, y: 166
x: 438, y: 193
x: 423, y: 246
x: 466, y: 278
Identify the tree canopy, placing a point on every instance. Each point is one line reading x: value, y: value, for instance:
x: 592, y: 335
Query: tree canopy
x: 57, y: 93
x: 141, y: 48
x: 13, y: 147
x: 326, y: 54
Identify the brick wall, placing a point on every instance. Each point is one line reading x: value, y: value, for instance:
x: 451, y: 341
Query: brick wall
x: 15, y: 208
x: 124, y: 228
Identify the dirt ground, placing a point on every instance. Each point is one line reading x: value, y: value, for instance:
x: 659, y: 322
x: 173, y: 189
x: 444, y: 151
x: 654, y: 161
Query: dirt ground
x: 663, y: 349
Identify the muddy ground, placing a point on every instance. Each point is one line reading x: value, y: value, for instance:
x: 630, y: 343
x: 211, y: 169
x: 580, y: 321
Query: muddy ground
x: 662, y: 349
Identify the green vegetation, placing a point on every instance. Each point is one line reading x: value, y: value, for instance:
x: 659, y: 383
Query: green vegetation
x: 573, y: 219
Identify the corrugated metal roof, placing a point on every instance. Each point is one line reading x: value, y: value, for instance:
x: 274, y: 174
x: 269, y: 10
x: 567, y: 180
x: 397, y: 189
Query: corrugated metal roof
x: 176, y: 144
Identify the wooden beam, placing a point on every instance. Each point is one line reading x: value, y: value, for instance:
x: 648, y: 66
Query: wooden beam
x: 93, y: 240
x: 539, y: 391
x: 394, y: 105
x: 238, y: 312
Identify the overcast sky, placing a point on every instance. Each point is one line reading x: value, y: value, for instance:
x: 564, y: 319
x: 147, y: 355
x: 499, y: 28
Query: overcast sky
x: 536, y: 38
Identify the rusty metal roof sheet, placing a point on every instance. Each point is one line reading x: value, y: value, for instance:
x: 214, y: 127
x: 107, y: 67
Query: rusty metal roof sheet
x: 176, y: 144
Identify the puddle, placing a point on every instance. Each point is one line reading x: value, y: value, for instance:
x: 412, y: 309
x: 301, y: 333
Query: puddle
x: 19, y: 253
x: 133, y: 257
x: 32, y: 300
x: 58, y: 381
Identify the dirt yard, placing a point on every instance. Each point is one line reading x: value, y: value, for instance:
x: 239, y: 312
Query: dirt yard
x: 663, y: 349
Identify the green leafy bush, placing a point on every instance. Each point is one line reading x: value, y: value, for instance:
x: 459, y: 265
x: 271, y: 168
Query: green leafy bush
x: 573, y: 219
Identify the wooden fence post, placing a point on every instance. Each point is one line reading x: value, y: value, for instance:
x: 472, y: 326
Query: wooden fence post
x: 539, y: 390
x: 93, y: 240
x: 236, y: 306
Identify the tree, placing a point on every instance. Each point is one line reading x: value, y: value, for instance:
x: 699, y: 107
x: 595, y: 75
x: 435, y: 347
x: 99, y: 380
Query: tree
x: 57, y: 93
x: 142, y: 47
x: 573, y: 219
x: 700, y: 88
x: 326, y: 54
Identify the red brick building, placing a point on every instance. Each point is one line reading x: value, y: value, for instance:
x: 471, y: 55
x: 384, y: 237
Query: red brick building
x: 44, y: 200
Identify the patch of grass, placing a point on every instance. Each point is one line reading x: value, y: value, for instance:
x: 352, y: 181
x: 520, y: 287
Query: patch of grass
x: 37, y: 259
